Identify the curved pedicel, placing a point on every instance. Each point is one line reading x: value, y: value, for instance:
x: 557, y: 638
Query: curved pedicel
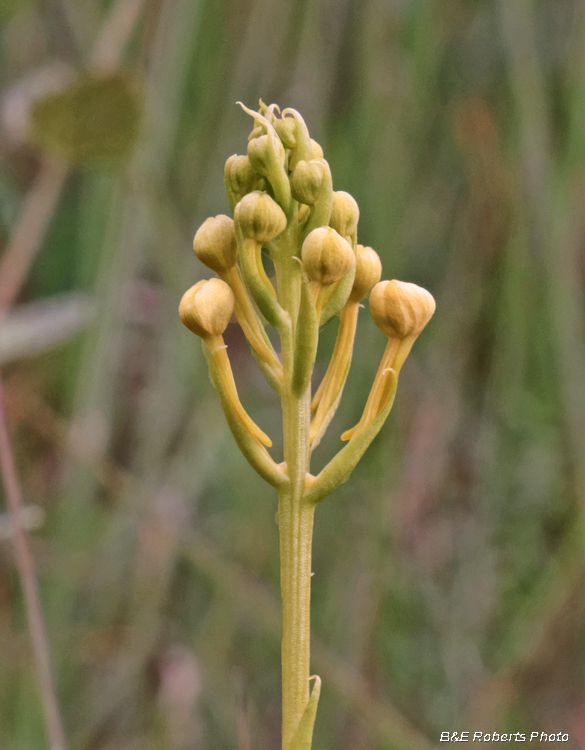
x: 341, y: 465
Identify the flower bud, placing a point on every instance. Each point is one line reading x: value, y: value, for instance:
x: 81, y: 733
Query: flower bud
x: 316, y: 150
x: 207, y: 307
x: 368, y: 270
x: 307, y: 180
x: 261, y: 153
x: 215, y: 243
x: 242, y: 176
x: 285, y: 127
x: 401, y: 309
x: 260, y: 217
x: 326, y: 256
x: 344, y: 213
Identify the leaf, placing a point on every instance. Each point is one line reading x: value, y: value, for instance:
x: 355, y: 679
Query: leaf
x: 303, y: 737
x: 94, y: 120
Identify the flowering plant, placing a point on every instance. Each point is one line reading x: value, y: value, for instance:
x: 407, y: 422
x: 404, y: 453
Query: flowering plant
x: 283, y: 201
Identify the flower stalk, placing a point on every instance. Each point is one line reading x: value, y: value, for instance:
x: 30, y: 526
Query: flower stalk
x: 283, y: 202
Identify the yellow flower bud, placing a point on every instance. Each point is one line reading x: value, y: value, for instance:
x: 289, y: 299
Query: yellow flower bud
x: 368, y: 271
x: 207, y: 307
x: 285, y: 127
x: 316, y: 150
x: 344, y: 213
x: 215, y: 243
x: 260, y: 217
x: 326, y: 256
x: 307, y: 180
x: 401, y: 309
x: 242, y: 176
x: 261, y: 154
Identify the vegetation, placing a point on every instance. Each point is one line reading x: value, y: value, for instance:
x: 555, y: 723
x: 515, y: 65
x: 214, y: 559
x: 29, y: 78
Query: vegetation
x: 285, y: 207
x: 448, y: 571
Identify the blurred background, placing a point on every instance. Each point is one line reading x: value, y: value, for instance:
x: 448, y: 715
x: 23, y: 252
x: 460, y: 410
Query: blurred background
x: 449, y: 569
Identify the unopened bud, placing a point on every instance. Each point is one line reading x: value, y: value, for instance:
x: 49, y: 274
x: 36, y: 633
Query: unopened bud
x: 215, y: 243
x: 368, y: 271
x: 316, y: 150
x: 344, y: 213
x: 261, y: 152
x: 242, y: 176
x: 260, y: 217
x: 207, y: 307
x: 307, y: 180
x: 285, y: 127
x: 326, y: 256
x: 401, y: 309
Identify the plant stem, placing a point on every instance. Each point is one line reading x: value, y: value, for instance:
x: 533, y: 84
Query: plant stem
x: 296, y: 532
x: 295, y: 520
x: 36, y: 622
x: 31, y: 228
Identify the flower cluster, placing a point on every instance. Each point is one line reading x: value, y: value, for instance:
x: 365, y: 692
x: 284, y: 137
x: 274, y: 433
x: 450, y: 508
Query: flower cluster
x: 283, y: 202
x: 284, y: 207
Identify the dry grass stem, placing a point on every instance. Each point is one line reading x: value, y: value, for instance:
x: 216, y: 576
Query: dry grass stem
x: 31, y: 229
x: 36, y: 622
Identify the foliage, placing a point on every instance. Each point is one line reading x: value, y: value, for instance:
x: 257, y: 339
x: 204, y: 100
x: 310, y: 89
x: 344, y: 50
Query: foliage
x: 448, y: 571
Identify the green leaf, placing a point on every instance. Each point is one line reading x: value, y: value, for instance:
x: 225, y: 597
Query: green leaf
x: 303, y: 737
x: 93, y: 121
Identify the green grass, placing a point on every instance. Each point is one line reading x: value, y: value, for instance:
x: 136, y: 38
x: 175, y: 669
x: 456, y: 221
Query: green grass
x: 453, y: 555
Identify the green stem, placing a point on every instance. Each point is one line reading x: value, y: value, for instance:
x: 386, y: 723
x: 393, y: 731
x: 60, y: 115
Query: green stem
x: 296, y: 532
x: 294, y: 513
